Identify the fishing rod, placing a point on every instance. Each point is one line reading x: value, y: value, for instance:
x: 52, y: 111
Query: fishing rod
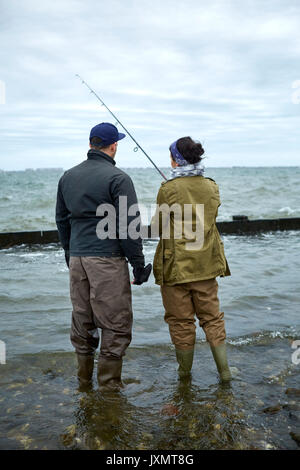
x: 127, y: 132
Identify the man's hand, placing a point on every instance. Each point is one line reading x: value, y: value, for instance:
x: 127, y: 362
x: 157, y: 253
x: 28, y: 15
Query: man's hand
x: 141, y: 274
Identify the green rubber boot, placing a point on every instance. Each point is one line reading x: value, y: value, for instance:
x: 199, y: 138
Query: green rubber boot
x: 185, y: 360
x: 220, y: 357
x: 85, y: 371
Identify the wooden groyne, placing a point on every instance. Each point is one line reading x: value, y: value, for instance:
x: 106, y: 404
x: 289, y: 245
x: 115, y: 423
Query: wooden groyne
x: 240, y: 225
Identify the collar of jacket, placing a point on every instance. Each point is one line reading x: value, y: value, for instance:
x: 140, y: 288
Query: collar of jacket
x: 98, y: 155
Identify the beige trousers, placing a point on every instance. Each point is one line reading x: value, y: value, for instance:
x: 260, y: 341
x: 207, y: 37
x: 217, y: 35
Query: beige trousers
x: 182, y: 302
x: 101, y: 296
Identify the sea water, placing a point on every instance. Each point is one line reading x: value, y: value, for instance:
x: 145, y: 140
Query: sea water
x: 40, y: 405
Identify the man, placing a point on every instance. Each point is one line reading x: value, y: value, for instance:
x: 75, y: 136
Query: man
x: 99, y: 278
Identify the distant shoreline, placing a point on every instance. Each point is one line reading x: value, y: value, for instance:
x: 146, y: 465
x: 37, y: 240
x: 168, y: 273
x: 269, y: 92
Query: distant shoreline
x: 150, y: 168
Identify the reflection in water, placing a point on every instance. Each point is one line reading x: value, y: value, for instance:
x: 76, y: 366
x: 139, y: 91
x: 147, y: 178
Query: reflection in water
x: 207, y: 419
x: 103, y: 421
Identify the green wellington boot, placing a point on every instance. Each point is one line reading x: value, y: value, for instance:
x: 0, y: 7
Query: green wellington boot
x: 109, y: 373
x: 85, y: 371
x: 185, y: 360
x: 220, y: 357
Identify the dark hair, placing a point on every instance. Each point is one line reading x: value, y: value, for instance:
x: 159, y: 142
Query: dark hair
x: 190, y: 150
x: 96, y: 142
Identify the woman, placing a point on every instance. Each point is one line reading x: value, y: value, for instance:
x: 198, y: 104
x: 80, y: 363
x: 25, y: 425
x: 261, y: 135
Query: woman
x: 186, y: 273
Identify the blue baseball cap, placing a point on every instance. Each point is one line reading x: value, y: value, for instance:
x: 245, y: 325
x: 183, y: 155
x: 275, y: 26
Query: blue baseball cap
x: 107, y: 132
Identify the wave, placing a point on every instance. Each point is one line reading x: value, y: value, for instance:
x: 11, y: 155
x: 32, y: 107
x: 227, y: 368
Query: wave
x: 287, y: 210
x: 260, y: 337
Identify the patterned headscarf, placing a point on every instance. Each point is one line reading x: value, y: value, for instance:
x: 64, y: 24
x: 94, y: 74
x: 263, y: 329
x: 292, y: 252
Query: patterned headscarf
x: 177, y: 155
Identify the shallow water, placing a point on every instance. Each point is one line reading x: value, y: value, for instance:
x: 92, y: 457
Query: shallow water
x: 41, y: 408
x: 262, y: 294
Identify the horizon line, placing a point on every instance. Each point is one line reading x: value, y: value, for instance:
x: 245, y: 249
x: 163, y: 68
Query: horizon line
x: 151, y: 168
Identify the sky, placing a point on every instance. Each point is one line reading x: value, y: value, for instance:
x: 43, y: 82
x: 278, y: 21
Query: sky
x: 225, y: 72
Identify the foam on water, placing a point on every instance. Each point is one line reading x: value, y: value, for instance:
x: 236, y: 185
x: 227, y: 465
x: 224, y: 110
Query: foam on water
x: 288, y: 210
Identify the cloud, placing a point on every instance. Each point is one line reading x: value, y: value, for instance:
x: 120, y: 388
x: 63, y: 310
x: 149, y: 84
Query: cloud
x: 221, y: 72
